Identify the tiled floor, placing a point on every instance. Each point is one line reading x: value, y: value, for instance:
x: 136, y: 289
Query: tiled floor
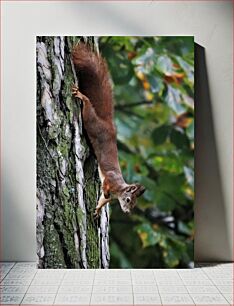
x: 207, y: 284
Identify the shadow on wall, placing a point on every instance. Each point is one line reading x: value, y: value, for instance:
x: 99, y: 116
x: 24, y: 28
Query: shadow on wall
x: 211, y: 235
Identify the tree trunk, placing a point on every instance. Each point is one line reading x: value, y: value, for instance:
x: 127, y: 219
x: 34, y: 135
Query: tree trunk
x: 67, y: 178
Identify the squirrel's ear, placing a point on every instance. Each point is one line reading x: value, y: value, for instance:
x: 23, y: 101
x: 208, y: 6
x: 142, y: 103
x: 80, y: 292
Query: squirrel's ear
x: 136, y: 188
x: 132, y: 188
x: 140, y: 190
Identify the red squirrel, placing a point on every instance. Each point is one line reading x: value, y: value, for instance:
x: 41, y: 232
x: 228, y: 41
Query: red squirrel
x: 95, y: 92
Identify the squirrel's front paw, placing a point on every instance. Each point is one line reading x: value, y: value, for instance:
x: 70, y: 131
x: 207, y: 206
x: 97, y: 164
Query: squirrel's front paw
x: 76, y: 93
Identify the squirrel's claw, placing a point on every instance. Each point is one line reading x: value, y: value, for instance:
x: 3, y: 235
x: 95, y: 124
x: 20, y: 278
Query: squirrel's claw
x: 74, y: 89
x: 76, y: 92
x: 96, y: 214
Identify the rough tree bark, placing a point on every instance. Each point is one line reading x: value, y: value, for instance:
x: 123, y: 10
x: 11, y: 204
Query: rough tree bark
x: 67, y: 178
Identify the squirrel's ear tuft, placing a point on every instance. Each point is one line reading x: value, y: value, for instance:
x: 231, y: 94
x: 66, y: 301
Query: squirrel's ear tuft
x: 140, y: 190
x: 137, y: 189
x: 132, y: 188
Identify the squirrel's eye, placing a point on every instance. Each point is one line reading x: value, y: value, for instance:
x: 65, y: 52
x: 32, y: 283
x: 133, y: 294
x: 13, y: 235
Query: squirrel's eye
x: 128, y: 200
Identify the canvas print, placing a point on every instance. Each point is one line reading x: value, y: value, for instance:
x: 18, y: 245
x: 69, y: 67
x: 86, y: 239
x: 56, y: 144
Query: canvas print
x: 115, y: 152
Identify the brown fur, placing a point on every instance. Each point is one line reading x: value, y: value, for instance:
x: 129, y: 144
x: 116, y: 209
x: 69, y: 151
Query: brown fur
x: 94, y: 80
x: 96, y: 93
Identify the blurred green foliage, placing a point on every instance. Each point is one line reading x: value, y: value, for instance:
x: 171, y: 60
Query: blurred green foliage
x: 153, y: 82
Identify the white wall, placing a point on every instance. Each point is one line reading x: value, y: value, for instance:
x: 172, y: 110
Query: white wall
x: 211, y: 24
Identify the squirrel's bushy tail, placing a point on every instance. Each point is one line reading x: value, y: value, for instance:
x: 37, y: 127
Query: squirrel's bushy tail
x: 94, y: 80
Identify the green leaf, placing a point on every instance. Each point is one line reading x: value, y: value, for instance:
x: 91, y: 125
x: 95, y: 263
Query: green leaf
x: 173, y: 251
x: 122, y: 67
x: 116, y: 252
x: 189, y: 174
x: 160, y: 134
x: 124, y: 129
x: 148, y: 182
x: 169, y: 162
x: 171, y: 185
x: 188, y: 69
x: 165, y: 203
x: 186, y: 228
x: 156, y: 84
x: 173, y: 99
x: 145, y: 58
x: 158, y: 113
x: 171, y: 258
x: 165, y: 65
x: 188, y: 101
x: 190, y: 131
x: 179, y: 139
x: 147, y: 235
x: 151, y: 188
